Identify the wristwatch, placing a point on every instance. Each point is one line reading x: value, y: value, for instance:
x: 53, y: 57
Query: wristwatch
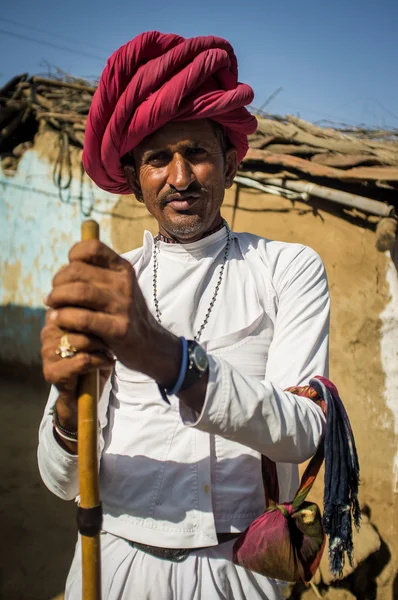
x: 194, y: 364
x: 198, y: 364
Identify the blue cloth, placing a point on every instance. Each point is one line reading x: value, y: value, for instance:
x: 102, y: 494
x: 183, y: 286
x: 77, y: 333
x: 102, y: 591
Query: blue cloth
x: 341, y: 505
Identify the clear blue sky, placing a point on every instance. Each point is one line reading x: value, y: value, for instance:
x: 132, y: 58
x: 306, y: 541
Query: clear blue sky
x: 334, y: 60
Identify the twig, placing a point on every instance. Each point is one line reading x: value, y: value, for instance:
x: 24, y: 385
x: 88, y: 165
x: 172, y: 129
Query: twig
x: 10, y: 85
x: 69, y: 117
x: 63, y: 84
x: 316, y: 592
x: 270, y: 98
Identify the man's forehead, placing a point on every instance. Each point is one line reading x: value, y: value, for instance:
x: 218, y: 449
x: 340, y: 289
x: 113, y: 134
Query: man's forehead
x: 179, y: 132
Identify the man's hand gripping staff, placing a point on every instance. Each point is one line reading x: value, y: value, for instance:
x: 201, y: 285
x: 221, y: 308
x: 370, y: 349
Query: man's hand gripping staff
x: 97, y: 300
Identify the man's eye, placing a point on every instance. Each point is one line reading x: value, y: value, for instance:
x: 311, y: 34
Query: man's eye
x: 155, y: 159
x: 196, y: 151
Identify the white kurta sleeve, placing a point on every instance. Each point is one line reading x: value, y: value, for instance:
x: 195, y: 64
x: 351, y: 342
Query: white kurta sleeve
x: 58, y: 468
x: 260, y: 414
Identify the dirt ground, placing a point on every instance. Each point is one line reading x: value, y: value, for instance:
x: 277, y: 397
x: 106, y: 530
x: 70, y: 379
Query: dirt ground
x: 38, y: 530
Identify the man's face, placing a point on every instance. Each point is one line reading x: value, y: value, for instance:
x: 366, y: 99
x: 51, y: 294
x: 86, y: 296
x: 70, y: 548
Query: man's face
x: 182, y: 173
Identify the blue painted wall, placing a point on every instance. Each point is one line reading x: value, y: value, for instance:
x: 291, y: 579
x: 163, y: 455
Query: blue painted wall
x: 37, y: 229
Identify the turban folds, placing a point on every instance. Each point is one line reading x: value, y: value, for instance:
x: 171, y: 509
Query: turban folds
x: 156, y: 78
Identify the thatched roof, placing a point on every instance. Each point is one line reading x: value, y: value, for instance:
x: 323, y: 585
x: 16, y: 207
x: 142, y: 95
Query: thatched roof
x: 26, y: 103
x: 286, y: 152
x: 347, y: 154
x: 356, y: 168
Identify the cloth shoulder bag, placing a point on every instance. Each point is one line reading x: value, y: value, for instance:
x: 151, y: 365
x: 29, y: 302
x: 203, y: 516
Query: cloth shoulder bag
x: 287, y: 541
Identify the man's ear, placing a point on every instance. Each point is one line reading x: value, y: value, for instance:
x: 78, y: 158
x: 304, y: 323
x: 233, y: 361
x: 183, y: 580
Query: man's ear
x: 132, y: 180
x: 231, y: 166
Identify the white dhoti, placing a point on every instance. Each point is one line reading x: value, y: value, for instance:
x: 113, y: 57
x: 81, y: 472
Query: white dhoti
x: 208, y: 574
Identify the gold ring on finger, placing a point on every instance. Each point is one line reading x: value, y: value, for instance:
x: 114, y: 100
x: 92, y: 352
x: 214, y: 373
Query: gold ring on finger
x: 65, y: 349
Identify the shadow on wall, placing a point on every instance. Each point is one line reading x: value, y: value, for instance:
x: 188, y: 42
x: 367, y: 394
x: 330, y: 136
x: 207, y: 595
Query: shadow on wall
x: 362, y: 583
x: 20, y: 328
x: 395, y: 588
x: 394, y: 255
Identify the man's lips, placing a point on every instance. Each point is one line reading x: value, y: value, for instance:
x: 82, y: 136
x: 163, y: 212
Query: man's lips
x: 180, y: 203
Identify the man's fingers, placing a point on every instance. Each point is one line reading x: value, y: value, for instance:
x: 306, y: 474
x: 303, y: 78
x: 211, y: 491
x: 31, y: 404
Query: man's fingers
x: 96, y: 253
x: 82, y: 343
x: 83, y: 294
x: 91, y: 354
x: 81, y: 271
x: 66, y: 369
x: 91, y: 322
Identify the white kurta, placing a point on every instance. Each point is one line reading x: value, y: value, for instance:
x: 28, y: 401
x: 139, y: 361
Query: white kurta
x: 170, y: 477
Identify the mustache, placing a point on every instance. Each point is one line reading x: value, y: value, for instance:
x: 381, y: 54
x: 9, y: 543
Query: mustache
x: 194, y: 189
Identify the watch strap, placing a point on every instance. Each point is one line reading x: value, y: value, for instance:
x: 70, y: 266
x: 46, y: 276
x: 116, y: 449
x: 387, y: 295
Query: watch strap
x: 192, y: 373
x: 189, y: 373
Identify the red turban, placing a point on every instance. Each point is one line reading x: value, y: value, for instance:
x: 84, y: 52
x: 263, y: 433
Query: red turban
x: 156, y: 78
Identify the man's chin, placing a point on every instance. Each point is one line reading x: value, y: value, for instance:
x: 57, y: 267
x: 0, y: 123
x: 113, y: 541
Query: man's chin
x: 185, y: 227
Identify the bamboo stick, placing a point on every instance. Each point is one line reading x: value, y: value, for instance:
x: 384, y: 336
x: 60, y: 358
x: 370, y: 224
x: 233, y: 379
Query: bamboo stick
x: 71, y: 117
x: 63, y: 84
x: 373, y: 207
x: 10, y: 85
x: 90, y: 514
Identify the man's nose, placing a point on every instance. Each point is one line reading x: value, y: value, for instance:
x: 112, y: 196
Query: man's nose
x: 180, y: 175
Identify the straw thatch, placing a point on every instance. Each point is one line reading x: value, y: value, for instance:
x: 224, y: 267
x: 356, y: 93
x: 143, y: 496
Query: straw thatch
x: 296, y: 148
x: 288, y: 152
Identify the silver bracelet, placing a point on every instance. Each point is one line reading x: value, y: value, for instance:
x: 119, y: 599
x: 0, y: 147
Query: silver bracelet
x: 62, y: 430
x: 63, y: 435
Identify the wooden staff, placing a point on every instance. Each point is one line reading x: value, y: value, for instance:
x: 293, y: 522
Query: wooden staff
x: 89, y: 515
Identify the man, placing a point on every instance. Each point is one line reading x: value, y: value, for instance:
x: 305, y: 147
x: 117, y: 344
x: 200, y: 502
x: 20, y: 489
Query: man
x: 183, y: 425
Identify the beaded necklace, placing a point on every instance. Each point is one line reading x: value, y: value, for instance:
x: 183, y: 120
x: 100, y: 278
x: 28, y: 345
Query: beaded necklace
x: 216, y: 289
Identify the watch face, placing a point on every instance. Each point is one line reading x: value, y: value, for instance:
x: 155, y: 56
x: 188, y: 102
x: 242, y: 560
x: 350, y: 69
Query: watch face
x: 199, y: 358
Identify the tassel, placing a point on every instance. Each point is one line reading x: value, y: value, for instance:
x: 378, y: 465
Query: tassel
x: 341, y: 504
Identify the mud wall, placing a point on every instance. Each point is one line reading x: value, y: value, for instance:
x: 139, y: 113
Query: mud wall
x: 363, y: 339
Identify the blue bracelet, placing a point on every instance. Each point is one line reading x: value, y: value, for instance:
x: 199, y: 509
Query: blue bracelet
x: 183, y: 369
